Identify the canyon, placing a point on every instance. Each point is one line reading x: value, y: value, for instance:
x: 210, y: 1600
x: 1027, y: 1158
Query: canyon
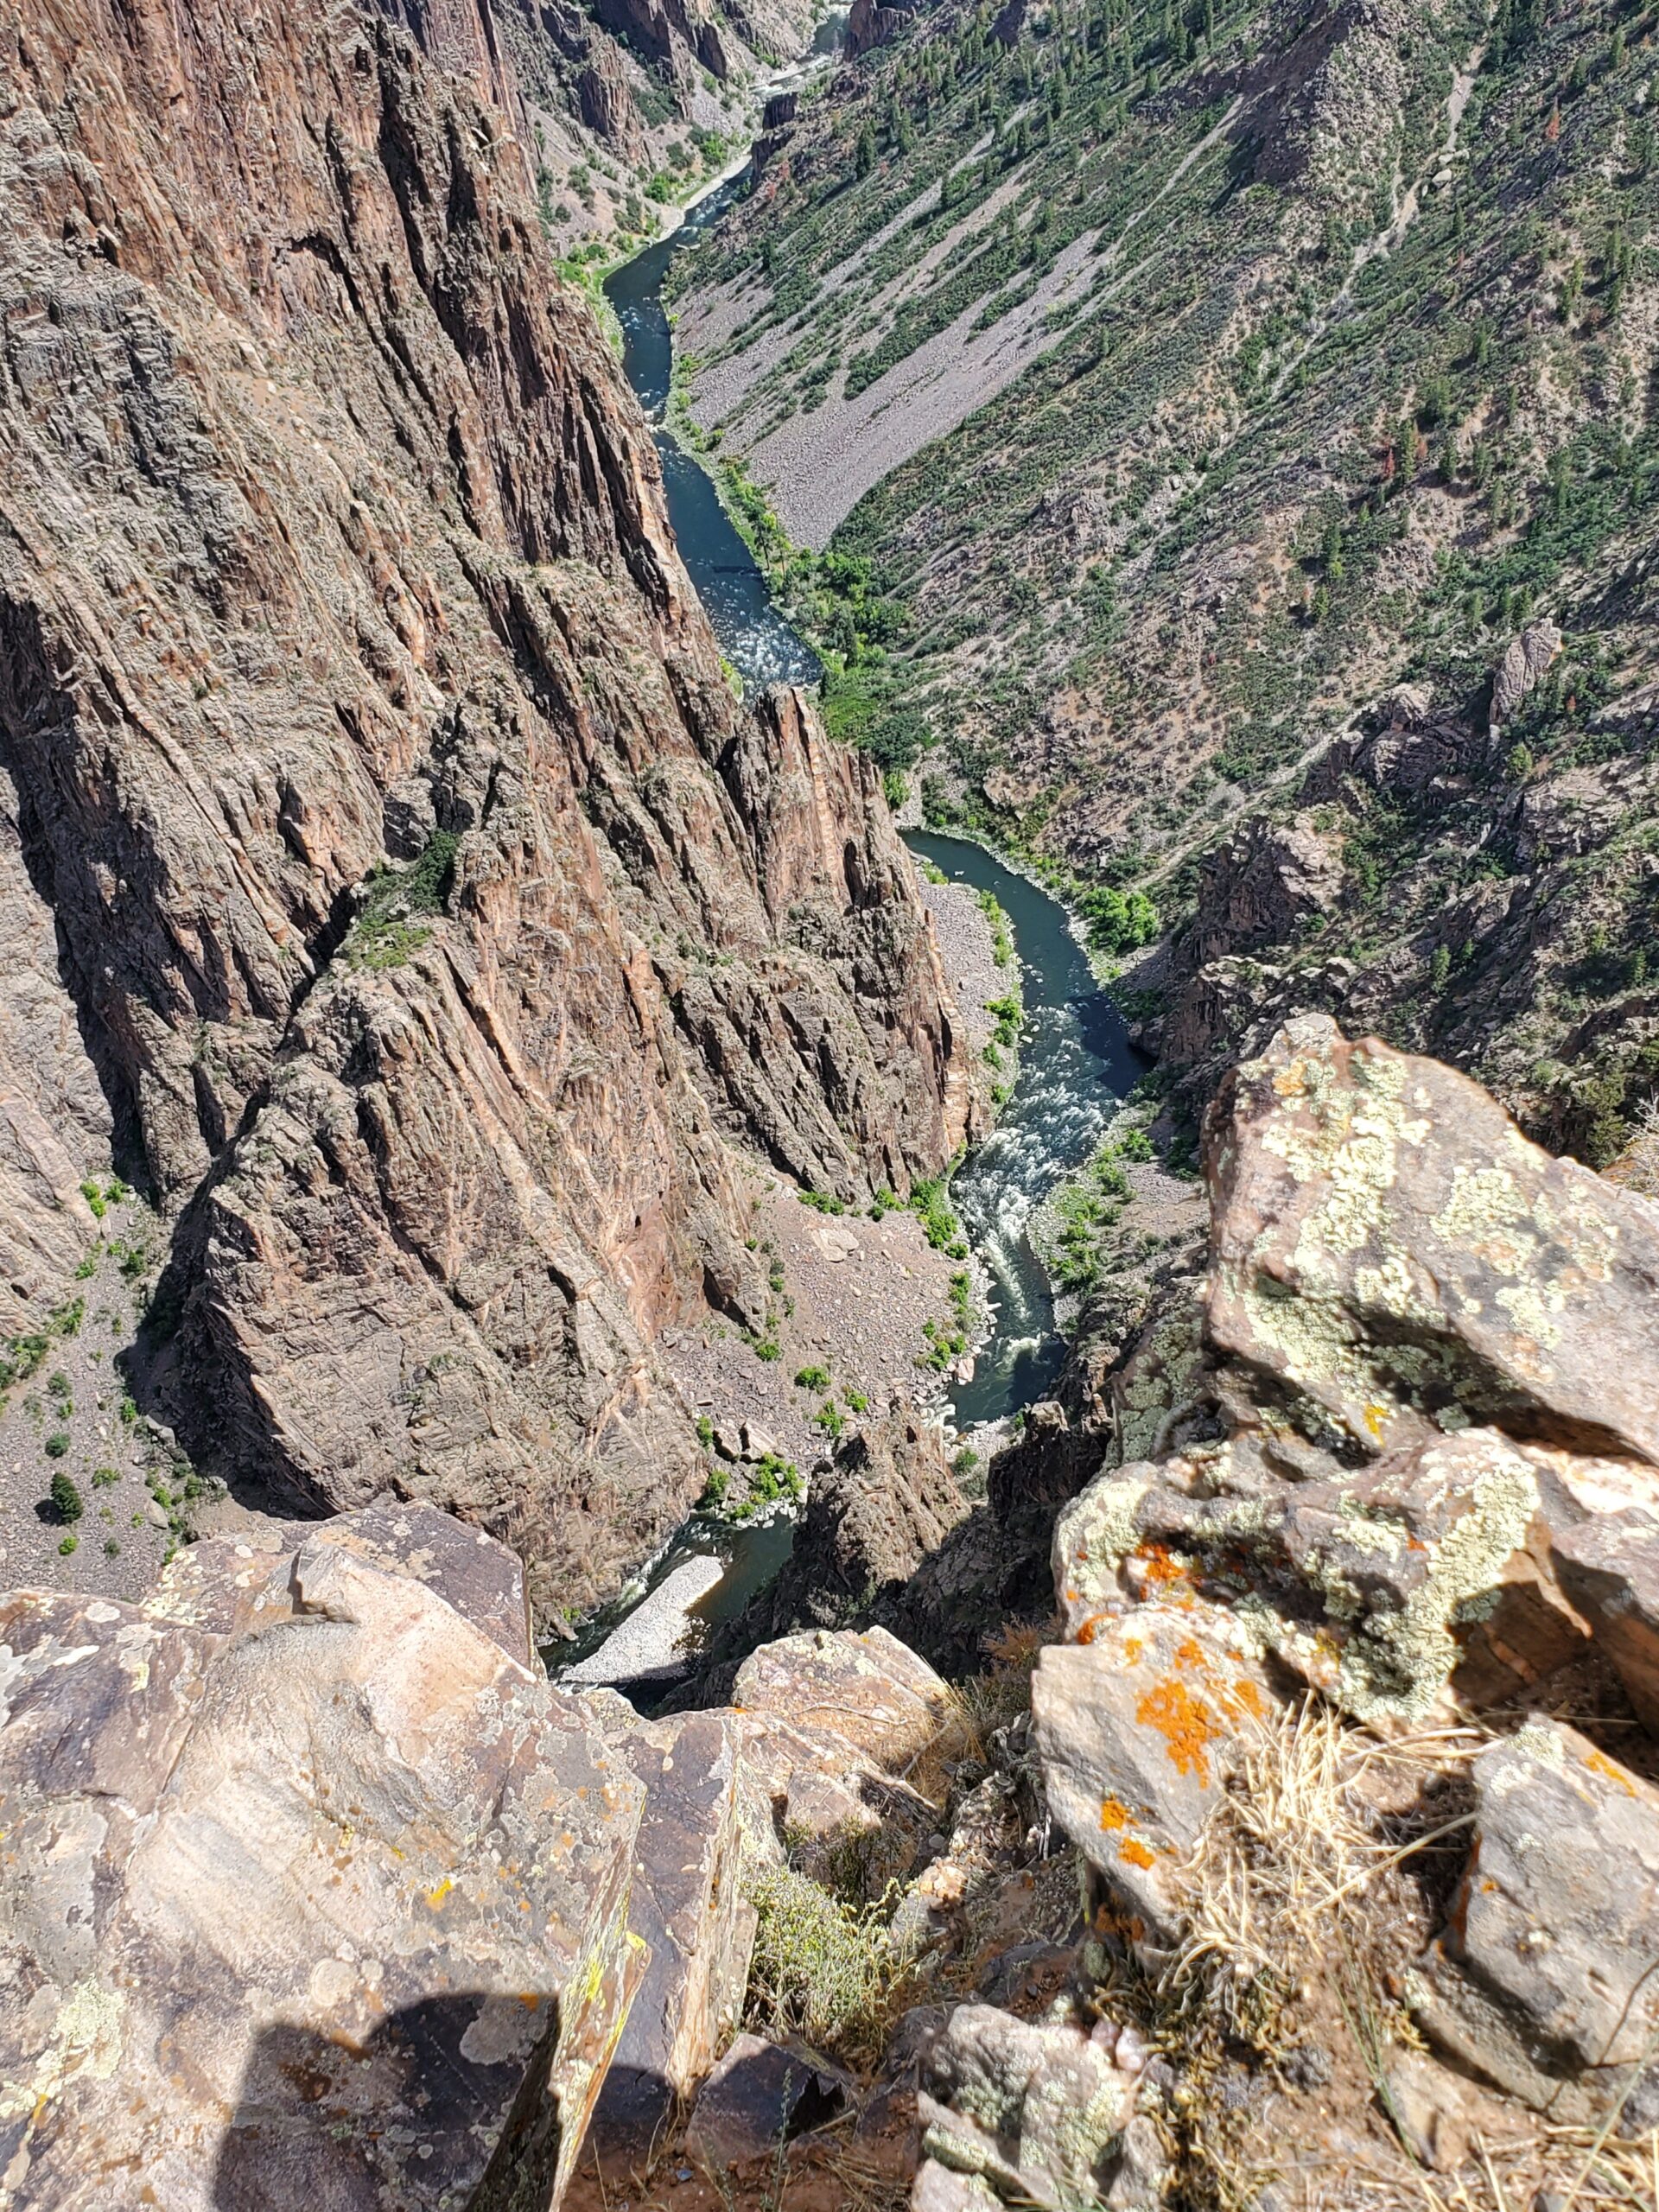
x: 828, y: 1192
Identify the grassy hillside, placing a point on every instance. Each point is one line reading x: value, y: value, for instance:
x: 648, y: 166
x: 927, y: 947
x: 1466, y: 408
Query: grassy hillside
x: 1329, y: 336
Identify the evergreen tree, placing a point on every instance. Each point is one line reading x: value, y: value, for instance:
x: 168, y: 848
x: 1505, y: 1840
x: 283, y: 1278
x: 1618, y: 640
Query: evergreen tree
x: 864, y: 158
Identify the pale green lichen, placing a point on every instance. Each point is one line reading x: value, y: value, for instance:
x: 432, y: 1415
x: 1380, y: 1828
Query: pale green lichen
x: 1097, y: 1533
x: 1158, y: 1381
x: 1393, y: 1665
x: 1397, y: 1663
x: 1484, y: 1200
x: 1530, y: 1307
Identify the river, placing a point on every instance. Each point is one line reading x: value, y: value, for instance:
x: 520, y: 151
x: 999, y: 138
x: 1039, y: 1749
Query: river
x: 1076, y: 1065
x: 1076, y: 1062
x: 752, y: 635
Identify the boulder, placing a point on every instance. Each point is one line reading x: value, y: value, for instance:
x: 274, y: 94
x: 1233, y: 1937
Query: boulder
x: 831, y: 1722
x: 1433, y: 1566
x: 1609, y: 1566
x: 1035, y: 2111
x: 1388, y: 1247
x: 221, y: 1582
x: 1136, y: 1728
x: 760, y: 2095
x: 690, y: 1911
x: 326, y: 1905
x: 1546, y: 1978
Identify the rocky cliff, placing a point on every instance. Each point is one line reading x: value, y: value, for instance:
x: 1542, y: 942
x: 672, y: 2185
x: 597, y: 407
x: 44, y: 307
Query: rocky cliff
x: 393, y: 871
x: 1354, y: 1658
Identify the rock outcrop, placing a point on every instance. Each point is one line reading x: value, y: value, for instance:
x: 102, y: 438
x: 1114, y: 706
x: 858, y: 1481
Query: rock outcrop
x: 434, y: 918
x: 314, y: 1892
x: 1426, y: 1488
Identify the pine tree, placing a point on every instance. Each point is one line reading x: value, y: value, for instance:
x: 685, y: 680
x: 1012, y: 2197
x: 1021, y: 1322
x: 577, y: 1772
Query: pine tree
x: 864, y: 158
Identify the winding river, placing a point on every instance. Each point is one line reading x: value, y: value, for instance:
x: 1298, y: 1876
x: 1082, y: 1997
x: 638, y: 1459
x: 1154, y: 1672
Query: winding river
x: 1076, y: 1061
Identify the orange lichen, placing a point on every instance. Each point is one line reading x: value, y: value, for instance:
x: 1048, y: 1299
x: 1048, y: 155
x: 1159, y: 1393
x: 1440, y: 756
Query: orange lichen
x: 1599, y: 1762
x: 1136, y: 1854
x: 1245, y: 1694
x: 1133, y: 1646
x: 1185, y: 1722
x: 1091, y: 1628
x: 1158, y: 1568
x: 1114, y: 1813
x: 1189, y: 1653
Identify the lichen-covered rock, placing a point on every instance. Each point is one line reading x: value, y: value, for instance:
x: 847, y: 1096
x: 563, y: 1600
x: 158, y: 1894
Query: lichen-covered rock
x: 1546, y: 1978
x: 324, y: 1905
x: 1136, y: 1727
x: 1433, y: 1566
x: 831, y: 1720
x: 1035, y: 2110
x: 1388, y: 1247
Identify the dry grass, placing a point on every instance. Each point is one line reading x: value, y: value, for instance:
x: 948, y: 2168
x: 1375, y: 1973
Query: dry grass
x: 1291, y: 1867
x: 1317, y: 1877
x: 1316, y: 1881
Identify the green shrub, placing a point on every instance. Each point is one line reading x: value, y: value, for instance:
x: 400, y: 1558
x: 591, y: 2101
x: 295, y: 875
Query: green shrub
x: 821, y: 1968
x: 822, y: 1201
x: 386, y: 930
x: 66, y: 1500
x: 58, y: 1443
x: 812, y: 1378
x: 930, y: 1203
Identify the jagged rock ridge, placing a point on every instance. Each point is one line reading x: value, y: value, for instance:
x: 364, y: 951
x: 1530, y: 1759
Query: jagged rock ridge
x: 334, y: 545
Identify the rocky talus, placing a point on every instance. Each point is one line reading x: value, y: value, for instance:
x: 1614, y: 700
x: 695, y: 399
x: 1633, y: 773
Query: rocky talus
x: 317, y: 1890
x: 392, y: 869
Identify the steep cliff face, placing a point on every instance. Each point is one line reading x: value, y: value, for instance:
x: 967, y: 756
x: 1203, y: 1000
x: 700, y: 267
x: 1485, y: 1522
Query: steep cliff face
x: 621, y: 96
x: 393, y: 845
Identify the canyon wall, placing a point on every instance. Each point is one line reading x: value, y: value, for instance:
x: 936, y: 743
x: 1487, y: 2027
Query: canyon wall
x: 386, y: 834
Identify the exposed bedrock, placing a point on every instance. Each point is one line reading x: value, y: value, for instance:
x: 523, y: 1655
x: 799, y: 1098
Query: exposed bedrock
x: 331, y: 545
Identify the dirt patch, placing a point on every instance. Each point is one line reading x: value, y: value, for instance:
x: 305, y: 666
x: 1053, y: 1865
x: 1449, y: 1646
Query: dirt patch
x: 68, y: 1413
x: 851, y: 1297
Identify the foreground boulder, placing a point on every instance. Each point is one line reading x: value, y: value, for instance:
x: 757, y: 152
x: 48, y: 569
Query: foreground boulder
x: 1434, y: 1566
x: 834, y: 1723
x: 1546, y: 1979
x: 1032, y: 2112
x: 1137, y: 1729
x: 703, y: 1830
x: 317, y: 1899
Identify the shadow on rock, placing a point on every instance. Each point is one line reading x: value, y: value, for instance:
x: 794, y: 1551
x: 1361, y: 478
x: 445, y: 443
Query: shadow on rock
x: 322, y: 2124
